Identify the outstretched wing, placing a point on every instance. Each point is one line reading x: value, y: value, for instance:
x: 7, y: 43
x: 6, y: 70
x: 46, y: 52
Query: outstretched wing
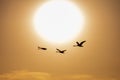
x: 82, y: 42
x: 39, y: 47
x: 77, y: 43
x: 64, y: 50
x: 57, y: 49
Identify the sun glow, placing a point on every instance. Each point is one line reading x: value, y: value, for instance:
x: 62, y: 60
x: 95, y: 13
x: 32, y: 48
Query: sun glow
x: 58, y: 21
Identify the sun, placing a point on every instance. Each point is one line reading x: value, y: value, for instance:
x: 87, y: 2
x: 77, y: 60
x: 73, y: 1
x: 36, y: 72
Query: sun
x: 58, y: 21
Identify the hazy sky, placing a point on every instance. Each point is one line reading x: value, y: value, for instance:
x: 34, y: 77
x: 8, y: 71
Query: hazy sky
x: 98, y: 60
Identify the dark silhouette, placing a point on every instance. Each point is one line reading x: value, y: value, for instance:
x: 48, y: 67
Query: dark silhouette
x: 41, y: 48
x: 79, y: 44
x: 60, y: 51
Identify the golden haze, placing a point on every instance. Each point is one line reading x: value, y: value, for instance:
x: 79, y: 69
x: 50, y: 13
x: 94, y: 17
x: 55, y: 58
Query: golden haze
x: 98, y: 60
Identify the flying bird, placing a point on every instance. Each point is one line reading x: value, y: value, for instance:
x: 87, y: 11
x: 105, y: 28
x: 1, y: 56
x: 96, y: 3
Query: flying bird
x: 79, y: 44
x: 61, y: 51
x: 41, y: 48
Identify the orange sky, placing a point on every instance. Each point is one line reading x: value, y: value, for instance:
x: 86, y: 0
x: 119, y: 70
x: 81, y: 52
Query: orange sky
x: 98, y: 60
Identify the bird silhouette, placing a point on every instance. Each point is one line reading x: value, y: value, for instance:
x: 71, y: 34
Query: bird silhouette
x: 41, y: 48
x: 79, y: 44
x: 61, y: 51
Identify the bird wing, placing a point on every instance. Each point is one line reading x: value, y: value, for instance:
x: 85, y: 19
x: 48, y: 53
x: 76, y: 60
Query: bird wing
x: 82, y: 42
x: 77, y: 43
x: 39, y: 47
x: 64, y: 50
x: 58, y: 49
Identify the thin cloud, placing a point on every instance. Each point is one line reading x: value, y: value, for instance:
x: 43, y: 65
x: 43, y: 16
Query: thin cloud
x: 84, y: 77
x: 28, y: 75
x: 79, y: 77
x: 25, y: 75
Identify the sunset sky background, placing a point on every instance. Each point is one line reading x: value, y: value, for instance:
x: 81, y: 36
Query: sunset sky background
x: 99, y: 59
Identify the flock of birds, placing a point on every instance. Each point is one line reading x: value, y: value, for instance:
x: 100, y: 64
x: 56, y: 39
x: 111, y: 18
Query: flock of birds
x: 79, y: 44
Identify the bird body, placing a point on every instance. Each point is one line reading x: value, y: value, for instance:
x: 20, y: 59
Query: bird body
x: 61, y: 51
x: 79, y: 44
x: 42, y: 48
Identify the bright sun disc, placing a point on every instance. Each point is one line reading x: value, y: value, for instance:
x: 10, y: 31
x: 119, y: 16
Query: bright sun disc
x: 58, y: 21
